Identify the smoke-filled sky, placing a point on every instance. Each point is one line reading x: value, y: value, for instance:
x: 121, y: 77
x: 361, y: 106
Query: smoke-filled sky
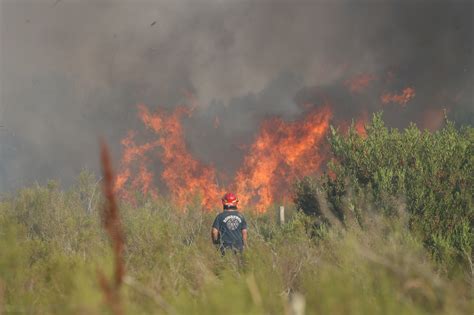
x: 72, y: 71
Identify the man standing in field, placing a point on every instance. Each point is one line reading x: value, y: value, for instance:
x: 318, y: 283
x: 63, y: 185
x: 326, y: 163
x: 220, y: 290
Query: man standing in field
x: 229, y: 230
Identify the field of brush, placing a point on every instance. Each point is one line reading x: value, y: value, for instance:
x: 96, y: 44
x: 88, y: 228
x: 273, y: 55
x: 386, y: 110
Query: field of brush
x: 389, y: 231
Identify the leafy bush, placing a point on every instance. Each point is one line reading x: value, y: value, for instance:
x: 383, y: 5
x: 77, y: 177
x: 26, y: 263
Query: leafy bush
x: 431, y: 174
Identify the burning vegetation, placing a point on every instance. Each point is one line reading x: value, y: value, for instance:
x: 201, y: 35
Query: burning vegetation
x: 182, y: 174
x: 159, y: 161
x: 402, y: 99
x: 281, y: 153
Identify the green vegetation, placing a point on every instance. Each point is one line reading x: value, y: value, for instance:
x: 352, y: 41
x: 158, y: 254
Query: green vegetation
x: 429, y: 174
x: 389, y: 232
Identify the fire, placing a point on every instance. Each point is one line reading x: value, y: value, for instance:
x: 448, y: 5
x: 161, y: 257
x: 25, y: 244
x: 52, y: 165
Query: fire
x: 359, y: 83
x: 282, y: 152
x: 184, y: 176
x: 401, y: 99
x: 360, y: 124
x: 132, y: 153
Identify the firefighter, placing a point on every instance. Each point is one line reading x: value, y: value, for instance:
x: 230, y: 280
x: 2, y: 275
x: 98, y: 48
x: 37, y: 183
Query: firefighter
x: 229, y: 230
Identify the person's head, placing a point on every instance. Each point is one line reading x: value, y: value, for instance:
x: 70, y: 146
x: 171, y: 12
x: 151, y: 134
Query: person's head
x: 230, y: 201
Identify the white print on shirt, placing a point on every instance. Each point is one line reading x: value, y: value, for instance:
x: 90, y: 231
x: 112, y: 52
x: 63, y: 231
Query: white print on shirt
x: 232, y: 222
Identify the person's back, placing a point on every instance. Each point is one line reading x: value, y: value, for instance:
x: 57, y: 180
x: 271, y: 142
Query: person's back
x: 229, y: 230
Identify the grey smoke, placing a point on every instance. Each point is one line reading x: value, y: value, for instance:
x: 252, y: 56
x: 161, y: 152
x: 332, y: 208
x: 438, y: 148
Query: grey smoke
x: 74, y: 70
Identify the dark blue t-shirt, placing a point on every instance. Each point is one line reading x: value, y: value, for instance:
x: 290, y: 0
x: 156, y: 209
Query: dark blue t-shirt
x: 230, y: 224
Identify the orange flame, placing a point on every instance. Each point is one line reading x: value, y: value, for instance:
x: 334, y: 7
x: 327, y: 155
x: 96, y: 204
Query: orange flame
x: 282, y: 152
x: 132, y: 153
x: 360, y: 127
x: 401, y: 99
x: 359, y: 124
x: 359, y: 83
x: 183, y: 175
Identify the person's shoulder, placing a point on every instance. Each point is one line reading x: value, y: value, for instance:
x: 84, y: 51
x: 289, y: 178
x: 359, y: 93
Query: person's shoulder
x: 239, y: 214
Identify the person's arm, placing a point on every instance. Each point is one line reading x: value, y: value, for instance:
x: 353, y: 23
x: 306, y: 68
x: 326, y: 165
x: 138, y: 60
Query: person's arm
x: 215, y: 231
x: 244, y: 237
x: 215, y: 235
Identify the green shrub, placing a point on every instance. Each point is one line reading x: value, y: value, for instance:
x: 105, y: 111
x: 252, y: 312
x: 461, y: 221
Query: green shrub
x: 431, y: 174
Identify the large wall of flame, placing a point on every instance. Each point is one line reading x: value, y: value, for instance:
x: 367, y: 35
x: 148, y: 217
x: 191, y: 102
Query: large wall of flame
x: 72, y: 71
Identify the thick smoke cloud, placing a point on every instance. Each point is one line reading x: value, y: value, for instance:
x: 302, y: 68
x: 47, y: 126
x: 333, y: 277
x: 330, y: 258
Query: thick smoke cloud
x: 72, y: 71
